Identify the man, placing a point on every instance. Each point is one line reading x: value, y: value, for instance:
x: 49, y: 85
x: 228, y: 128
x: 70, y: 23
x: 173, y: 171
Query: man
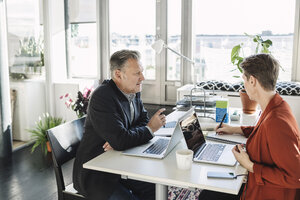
x: 116, y: 119
x: 272, y: 154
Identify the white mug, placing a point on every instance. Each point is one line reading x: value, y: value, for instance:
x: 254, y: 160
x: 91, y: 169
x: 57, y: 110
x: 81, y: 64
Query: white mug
x: 184, y: 159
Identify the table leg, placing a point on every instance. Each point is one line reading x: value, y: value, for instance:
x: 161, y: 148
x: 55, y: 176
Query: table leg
x: 161, y: 192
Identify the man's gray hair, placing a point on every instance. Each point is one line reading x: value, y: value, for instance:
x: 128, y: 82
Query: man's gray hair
x: 119, y: 58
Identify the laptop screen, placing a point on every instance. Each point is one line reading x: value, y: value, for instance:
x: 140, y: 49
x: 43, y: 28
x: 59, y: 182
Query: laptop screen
x: 192, y: 132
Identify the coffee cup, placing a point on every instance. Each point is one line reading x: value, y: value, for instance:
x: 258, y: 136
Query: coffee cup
x: 184, y: 159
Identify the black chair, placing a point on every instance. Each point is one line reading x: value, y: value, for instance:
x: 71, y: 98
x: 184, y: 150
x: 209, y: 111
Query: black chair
x: 64, y: 141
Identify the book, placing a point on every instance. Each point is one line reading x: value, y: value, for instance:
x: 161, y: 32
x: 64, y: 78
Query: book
x: 228, y: 139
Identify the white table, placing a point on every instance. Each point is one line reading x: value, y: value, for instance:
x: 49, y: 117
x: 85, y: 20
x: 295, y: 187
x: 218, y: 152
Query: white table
x: 208, y: 124
x: 165, y: 173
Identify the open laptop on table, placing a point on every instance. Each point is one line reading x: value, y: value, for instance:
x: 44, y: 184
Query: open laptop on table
x: 214, y: 153
x: 160, y: 146
x: 171, y: 122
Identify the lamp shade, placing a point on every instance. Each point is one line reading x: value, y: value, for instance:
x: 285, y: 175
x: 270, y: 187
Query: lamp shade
x: 158, y: 46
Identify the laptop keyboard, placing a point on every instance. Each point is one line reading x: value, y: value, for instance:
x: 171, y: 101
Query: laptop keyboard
x: 212, y: 152
x: 170, y: 124
x: 158, y: 146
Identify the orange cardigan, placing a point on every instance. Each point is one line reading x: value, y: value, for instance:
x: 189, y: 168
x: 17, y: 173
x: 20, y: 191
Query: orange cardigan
x: 273, y: 146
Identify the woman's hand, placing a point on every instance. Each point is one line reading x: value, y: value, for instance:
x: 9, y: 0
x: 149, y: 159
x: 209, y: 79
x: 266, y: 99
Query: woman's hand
x: 107, y: 146
x: 227, y: 129
x: 242, y: 157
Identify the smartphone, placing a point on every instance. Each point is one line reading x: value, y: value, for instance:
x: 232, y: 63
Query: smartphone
x: 224, y: 175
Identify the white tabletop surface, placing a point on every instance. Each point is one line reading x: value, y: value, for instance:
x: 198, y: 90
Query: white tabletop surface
x: 165, y: 172
x: 209, y: 124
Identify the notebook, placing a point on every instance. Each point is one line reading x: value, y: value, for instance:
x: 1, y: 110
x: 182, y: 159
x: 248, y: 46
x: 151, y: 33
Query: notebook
x: 158, y: 147
x: 207, y: 152
x: 171, y: 121
x: 225, y: 138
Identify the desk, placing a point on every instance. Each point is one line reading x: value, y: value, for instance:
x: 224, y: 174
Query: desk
x: 165, y: 173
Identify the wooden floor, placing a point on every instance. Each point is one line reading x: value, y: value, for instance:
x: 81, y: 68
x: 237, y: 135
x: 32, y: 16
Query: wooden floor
x: 27, y: 176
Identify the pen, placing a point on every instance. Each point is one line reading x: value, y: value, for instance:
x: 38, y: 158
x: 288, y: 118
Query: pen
x: 237, y: 149
x: 222, y: 120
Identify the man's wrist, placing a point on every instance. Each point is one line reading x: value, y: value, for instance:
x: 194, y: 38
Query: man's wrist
x: 150, y: 130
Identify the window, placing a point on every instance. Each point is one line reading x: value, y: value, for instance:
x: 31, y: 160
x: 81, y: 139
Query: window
x: 25, y: 39
x: 217, y: 30
x: 132, y: 26
x: 82, y: 50
x: 174, y: 40
x: 82, y: 39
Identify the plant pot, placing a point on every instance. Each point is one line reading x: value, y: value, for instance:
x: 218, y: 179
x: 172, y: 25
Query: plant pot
x: 48, y: 146
x: 249, y: 106
x: 34, y: 72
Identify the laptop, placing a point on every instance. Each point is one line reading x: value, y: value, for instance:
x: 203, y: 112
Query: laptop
x: 171, y: 122
x: 158, y: 147
x: 205, y: 152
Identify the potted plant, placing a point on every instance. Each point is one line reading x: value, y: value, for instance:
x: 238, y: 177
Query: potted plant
x: 80, y: 105
x: 29, y: 61
x: 39, y: 132
x: 237, y: 57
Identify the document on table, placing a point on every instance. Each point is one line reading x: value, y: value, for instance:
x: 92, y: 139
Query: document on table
x: 229, y: 139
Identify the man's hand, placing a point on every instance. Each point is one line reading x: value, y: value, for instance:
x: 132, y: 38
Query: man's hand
x: 242, y: 157
x: 158, y: 120
x: 107, y: 146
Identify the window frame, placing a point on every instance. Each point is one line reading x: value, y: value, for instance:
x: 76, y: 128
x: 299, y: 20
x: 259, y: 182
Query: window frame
x: 103, y: 46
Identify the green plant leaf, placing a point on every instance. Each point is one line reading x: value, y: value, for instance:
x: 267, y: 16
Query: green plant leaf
x: 238, y: 66
x: 36, y: 144
x: 235, y: 52
x: 262, y: 46
x: 39, y: 132
x: 269, y: 42
x: 257, y: 48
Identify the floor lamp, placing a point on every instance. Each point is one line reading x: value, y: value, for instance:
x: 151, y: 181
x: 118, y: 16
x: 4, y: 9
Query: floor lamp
x: 158, y: 45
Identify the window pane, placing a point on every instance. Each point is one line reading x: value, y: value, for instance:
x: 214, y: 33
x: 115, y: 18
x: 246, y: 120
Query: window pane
x: 25, y: 39
x: 81, y: 11
x: 83, y: 50
x: 174, y: 40
x: 132, y: 26
x: 217, y: 32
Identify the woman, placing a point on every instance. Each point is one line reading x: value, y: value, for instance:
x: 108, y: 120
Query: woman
x: 272, y: 150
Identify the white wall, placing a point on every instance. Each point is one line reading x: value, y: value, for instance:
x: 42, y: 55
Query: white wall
x: 29, y: 106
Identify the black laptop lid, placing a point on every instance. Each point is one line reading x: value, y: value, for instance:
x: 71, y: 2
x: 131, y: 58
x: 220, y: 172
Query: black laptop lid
x: 192, y: 132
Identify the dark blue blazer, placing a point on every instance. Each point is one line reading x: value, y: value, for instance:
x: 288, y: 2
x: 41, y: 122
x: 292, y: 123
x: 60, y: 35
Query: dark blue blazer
x: 108, y: 119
